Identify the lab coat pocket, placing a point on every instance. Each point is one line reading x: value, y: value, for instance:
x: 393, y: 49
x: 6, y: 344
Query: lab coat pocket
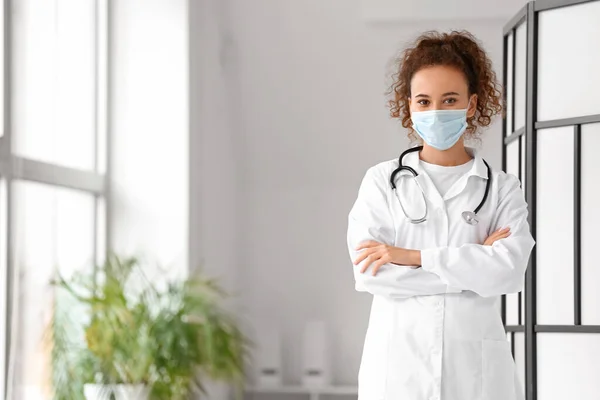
x: 498, y: 368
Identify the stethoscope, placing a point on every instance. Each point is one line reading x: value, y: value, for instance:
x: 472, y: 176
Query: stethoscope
x: 470, y: 217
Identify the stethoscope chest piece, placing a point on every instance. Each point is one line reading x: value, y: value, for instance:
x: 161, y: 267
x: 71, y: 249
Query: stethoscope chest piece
x: 470, y: 217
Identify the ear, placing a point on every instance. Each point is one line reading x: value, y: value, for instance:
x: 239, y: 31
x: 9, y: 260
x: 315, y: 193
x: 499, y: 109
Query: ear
x: 472, y: 106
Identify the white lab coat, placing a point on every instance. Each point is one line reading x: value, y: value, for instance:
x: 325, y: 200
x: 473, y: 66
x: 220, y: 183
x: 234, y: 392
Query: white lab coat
x: 435, y: 332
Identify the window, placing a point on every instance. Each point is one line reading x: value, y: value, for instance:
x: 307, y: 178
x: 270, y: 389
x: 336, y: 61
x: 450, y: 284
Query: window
x: 52, y: 226
x: 53, y: 74
x: 52, y: 171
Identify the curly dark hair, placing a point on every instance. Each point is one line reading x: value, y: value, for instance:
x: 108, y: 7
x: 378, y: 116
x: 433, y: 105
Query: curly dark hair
x: 459, y: 49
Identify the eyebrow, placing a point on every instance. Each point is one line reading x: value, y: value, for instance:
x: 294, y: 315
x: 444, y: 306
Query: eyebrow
x: 444, y: 95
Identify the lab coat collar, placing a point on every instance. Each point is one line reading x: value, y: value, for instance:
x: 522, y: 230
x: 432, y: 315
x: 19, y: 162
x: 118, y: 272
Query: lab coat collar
x: 478, y: 169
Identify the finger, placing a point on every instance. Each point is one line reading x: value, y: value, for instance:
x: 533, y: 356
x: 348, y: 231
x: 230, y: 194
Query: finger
x: 368, y: 261
x: 377, y: 266
x: 383, y: 259
x: 502, y: 235
x: 367, y: 244
x: 490, y: 240
x: 497, y: 233
x: 495, y: 237
x: 362, y: 256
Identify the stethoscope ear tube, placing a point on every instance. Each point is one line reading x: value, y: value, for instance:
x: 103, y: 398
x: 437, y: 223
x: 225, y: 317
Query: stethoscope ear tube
x: 402, y: 167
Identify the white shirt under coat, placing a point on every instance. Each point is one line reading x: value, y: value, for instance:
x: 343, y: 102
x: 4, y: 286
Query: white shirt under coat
x: 435, y: 332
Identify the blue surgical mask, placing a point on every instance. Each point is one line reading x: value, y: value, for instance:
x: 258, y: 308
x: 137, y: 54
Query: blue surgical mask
x: 440, y: 129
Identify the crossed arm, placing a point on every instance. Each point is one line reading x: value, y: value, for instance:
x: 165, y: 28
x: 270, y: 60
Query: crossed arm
x: 374, y: 255
x: 495, y: 267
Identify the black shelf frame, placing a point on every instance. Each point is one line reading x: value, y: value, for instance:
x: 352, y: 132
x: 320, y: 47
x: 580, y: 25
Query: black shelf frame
x: 527, y: 136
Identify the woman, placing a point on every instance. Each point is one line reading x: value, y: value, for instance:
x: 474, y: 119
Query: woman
x: 435, y: 261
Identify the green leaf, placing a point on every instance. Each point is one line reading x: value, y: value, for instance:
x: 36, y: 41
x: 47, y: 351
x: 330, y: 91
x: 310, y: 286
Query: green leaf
x: 103, y: 331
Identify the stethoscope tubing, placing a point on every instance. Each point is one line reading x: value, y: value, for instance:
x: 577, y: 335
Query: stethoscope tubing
x: 414, y: 173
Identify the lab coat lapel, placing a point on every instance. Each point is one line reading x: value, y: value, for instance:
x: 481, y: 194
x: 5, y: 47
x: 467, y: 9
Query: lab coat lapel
x: 479, y: 170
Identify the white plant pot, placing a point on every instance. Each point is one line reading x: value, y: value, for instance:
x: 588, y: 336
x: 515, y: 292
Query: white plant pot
x: 121, y: 392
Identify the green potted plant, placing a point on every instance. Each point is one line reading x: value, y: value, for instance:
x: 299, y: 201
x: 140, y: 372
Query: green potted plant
x: 117, y: 335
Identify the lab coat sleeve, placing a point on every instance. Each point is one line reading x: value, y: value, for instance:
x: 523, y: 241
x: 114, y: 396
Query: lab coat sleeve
x: 371, y: 219
x: 489, y: 270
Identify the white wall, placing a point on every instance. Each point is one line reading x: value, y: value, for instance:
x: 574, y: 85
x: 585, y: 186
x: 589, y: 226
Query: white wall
x: 213, y: 147
x: 394, y: 10
x: 149, y: 130
x: 310, y: 118
x: 214, y: 193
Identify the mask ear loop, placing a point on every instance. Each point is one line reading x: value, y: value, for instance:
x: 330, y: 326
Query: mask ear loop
x: 467, y: 112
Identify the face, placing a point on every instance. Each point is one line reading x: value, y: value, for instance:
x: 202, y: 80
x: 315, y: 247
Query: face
x: 441, y: 88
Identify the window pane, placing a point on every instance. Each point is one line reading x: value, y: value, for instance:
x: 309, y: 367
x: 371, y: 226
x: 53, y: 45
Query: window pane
x: 523, y: 161
x: 512, y: 167
x: 100, y: 231
x: 590, y: 219
x: 52, y: 227
x: 565, y: 62
x: 509, y: 85
x: 3, y: 276
x: 102, y: 84
x: 555, y: 226
x: 2, y: 72
x: 512, y: 158
x: 54, y: 97
x: 523, y: 174
x: 520, y: 75
x: 568, y: 365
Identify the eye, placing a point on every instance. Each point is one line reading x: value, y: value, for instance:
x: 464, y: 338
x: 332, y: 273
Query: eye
x: 450, y: 100
x: 423, y: 102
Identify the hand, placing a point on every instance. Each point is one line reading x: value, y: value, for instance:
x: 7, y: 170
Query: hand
x: 376, y: 254
x: 499, y: 234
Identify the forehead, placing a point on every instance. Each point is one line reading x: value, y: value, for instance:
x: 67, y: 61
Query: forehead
x: 438, y: 79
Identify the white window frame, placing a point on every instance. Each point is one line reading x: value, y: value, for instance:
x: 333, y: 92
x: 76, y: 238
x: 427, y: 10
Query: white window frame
x: 14, y: 167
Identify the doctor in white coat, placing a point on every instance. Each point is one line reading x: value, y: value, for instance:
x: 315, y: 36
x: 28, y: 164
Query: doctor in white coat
x: 438, y: 241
